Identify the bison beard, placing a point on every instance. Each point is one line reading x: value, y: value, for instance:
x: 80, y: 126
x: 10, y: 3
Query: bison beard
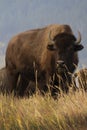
x: 40, y: 50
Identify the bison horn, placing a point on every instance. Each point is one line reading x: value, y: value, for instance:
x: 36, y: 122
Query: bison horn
x: 79, y: 38
x: 51, y: 46
x: 51, y: 40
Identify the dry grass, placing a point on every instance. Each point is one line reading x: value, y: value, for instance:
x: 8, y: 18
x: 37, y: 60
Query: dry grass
x: 44, y: 113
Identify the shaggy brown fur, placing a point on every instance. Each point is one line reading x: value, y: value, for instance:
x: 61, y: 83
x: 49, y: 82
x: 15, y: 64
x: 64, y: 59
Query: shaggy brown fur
x: 30, y: 51
x: 4, y: 81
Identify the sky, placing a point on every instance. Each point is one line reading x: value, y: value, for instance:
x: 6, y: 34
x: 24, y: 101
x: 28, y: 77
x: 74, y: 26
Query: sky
x: 20, y: 15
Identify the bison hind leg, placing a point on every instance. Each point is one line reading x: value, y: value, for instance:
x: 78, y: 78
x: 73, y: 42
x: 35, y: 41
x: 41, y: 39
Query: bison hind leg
x: 22, y: 85
x: 12, y: 81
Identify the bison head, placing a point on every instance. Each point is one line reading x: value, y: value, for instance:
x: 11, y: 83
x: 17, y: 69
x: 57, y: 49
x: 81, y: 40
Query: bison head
x: 66, y: 45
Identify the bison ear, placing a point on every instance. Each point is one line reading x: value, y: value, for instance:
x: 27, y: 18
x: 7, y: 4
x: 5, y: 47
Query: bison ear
x: 78, y: 47
x: 51, y: 47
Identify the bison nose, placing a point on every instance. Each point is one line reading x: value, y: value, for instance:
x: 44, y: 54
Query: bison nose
x: 60, y: 62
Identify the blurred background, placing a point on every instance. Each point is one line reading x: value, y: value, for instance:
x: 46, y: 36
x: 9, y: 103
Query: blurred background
x: 20, y: 15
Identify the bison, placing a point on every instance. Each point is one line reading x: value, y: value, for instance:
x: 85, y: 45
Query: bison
x: 35, y: 55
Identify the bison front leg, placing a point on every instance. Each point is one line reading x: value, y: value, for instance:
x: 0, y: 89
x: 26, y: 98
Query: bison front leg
x: 43, y: 82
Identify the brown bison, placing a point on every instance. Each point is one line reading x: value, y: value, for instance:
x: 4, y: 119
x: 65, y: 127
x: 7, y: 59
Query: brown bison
x: 35, y: 54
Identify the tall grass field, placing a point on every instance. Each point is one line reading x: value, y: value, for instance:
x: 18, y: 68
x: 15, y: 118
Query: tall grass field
x: 69, y: 112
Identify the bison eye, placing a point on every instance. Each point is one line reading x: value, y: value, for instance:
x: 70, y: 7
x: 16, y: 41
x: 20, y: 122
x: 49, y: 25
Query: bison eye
x: 78, y: 47
x: 51, y: 47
